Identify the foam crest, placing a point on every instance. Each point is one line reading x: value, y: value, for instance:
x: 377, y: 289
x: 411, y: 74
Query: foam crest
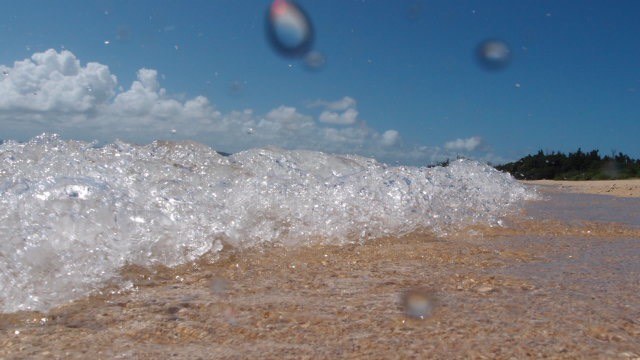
x: 72, y: 214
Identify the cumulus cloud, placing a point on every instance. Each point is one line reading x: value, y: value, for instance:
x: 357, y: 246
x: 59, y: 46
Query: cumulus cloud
x: 339, y: 105
x: 52, y: 81
x: 339, y: 112
x: 53, y: 92
x: 348, y: 117
x: 469, y: 144
x: 390, y: 138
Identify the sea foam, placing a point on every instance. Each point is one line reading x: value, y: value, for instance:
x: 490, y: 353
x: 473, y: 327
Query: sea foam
x: 72, y: 214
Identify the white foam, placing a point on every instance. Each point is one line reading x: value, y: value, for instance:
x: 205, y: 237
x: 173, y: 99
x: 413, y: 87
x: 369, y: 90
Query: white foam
x: 71, y: 214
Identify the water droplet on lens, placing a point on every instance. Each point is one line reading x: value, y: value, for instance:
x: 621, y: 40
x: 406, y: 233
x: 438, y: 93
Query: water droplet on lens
x: 415, y: 10
x: 218, y: 286
x: 315, y: 60
x: 123, y: 33
x: 289, y: 29
x: 418, y: 303
x: 493, y: 55
x: 236, y: 88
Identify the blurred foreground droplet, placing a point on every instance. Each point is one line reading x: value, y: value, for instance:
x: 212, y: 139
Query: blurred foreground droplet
x: 236, y: 88
x: 315, y: 60
x: 493, y: 55
x: 289, y: 29
x: 418, y: 303
x: 218, y: 286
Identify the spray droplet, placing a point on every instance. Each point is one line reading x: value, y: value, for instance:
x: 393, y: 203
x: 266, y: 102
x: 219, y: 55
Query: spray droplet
x: 493, y: 55
x: 315, y: 60
x: 107, y: 42
x: 289, y: 29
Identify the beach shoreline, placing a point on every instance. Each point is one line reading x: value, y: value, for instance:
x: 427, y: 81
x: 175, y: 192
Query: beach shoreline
x: 621, y: 188
x: 535, y: 288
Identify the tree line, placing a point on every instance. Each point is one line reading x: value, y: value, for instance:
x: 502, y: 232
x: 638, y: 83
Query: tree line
x: 578, y: 165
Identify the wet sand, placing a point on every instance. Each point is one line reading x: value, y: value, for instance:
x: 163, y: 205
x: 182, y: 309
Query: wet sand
x: 623, y: 188
x: 536, y: 288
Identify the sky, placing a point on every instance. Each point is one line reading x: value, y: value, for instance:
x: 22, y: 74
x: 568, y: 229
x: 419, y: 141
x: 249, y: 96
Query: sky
x: 401, y: 82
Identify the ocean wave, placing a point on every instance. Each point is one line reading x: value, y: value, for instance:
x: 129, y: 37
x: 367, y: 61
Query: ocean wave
x: 72, y: 214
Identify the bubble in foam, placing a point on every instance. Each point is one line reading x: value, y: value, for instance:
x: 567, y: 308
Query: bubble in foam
x: 289, y: 29
x: 493, y: 55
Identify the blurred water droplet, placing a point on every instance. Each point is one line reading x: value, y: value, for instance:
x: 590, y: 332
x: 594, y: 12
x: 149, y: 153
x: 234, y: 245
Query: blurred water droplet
x: 173, y: 131
x: 250, y: 131
x: 123, y: 33
x: 107, y: 42
x: 414, y: 11
x: 236, y: 88
x: 289, y: 29
x: 418, y: 303
x: 493, y: 55
x: 5, y: 73
x: 218, y: 286
x: 315, y: 61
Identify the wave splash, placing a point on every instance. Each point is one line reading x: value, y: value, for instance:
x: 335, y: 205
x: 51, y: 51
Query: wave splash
x: 72, y: 214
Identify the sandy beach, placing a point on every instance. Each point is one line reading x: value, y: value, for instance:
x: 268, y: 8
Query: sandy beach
x: 537, y: 288
x: 623, y: 188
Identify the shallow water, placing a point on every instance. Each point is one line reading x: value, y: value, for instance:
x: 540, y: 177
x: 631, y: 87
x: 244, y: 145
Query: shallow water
x: 573, y: 207
x: 537, y: 288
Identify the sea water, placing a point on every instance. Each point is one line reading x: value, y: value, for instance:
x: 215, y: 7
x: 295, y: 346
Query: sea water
x: 72, y: 214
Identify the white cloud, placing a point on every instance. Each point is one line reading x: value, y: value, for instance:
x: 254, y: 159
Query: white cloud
x: 339, y: 105
x: 52, y: 81
x: 390, y: 138
x: 53, y: 92
x: 348, y: 117
x: 469, y: 144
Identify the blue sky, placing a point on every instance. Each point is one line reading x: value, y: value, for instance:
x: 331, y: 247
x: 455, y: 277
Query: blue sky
x: 405, y: 69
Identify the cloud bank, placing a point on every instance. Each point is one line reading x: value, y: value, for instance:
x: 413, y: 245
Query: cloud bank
x: 53, y: 92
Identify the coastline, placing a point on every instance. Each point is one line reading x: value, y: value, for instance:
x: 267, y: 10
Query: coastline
x: 621, y: 188
x: 537, y: 288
